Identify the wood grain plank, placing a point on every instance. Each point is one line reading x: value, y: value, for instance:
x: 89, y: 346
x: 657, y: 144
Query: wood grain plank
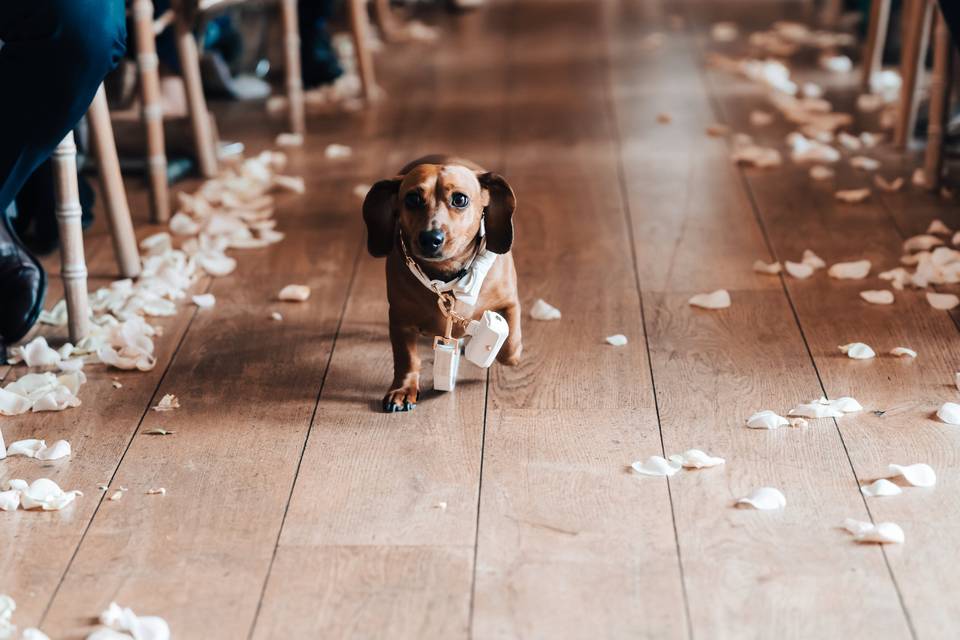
x: 379, y: 537
x: 796, y: 215
x: 570, y: 545
x: 695, y: 232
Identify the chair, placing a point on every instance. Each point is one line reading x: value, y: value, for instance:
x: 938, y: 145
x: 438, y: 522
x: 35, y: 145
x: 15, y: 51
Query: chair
x: 73, y: 267
x: 940, y: 89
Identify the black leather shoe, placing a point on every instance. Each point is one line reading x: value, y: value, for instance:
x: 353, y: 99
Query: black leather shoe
x: 23, y: 286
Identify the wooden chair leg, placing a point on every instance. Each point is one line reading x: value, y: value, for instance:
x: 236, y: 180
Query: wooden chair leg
x: 294, y: 79
x: 832, y: 10
x: 111, y: 183
x: 73, y: 267
x: 359, y: 25
x: 917, y: 16
x: 148, y: 67
x: 876, y: 41
x: 940, y: 81
x: 196, y: 103
x: 386, y: 22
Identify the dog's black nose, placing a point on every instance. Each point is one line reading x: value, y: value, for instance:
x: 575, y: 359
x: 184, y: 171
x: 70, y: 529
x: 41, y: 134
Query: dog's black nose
x: 431, y: 241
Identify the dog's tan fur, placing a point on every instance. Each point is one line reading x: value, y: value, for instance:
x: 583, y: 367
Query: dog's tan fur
x: 413, y: 308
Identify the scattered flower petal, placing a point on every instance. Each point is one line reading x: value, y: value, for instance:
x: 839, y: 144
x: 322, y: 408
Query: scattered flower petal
x: 798, y: 270
x: 543, y: 310
x: 289, y: 140
x: 813, y: 260
x: 949, y: 412
x: 883, y: 532
x: 696, y: 459
x: 772, y: 268
x: 881, y: 487
x: 617, y: 340
x: 923, y: 242
x: 656, y: 466
x: 764, y: 499
x: 168, y: 402
x: 877, y: 296
x: 937, y: 226
x: 889, y: 186
x: 858, y: 351
x: 820, y: 172
x: 852, y: 196
x: 850, y: 270
x: 336, y: 151
x: 942, y: 301
x: 903, y: 351
x: 917, y: 475
x: 157, y: 492
x: 719, y: 299
x: 766, y: 419
x: 205, y: 300
x: 294, y: 293
x: 864, y: 163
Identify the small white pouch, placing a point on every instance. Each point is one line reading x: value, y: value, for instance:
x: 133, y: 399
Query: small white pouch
x: 446, y: 362
x: 487, y: 336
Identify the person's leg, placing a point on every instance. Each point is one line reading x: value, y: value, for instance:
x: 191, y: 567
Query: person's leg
x: 54, y: 55
x: 319, y: 64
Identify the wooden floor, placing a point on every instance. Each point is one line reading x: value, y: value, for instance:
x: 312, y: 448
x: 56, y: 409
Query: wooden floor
x: 294, y: 509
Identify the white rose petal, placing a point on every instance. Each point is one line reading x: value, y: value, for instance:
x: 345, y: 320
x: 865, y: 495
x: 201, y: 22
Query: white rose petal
x: 656, y: 466
x: 764, y: 499
x: 850, y: 270
x: 937, y: 226
x: 617, y: 340
x: 37, y: 353
x: 864, y: 163
x: 696, y: 459
x: 9, y: 500
x: 836, y: 64
x: 858, y: 351
x: 877, y: 296
x: 59, y: 449
x: 760, y: 118
x: 889, y: 186
x: 772, y: 268
x: 798, y: 270
x: 923, y: 242
x: 543, y: 310
x: 812, y: 259
x: 140, y: 627
x: 335, y: 151
x: 820, y: 172
x: 942, y: 301
x: 204, y: 300
x: 44, y: 494
x: 766, y: 419
x: 719, y: 299
x: 949, y: 412
x: 361, y: 190
x: 846, y: 404
x: 289, y: 139
x: 903, y: 351
x: 182, y: 224
x: 294, y: 293
x: 883, y: 532
x: 852, y: 196
x: 881, y: 487
x: 917, y: 475
x: 168, y: 402
x: 26, y: 448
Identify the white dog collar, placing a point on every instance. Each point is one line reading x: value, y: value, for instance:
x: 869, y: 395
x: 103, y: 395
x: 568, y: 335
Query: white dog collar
x: 466, y: 287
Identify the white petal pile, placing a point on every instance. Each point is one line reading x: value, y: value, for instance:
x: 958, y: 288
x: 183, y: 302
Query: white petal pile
x: 917, y: 475
x: 772, y: 268
x: 38, y: 449
x: 42, y: 493
x: 764, y: 499
x: 129, y: 345
x: 877, y: 296
x: 883, y: 532
x: 656, y: 466
x: 41, y: 392
x: 719, y: 299
x: 8, y: 630
x: 696, y: 459
x: 949, y: 412
x: 881, y: 487
x: 903, y: 351
x: 858, y: 351
x: 122, y: 623
x: 617, y: 340
x: 850, y: 270
x: 766, y: 419
x: 36, y: 353
x: 294, y: 293
x: 543, y: 310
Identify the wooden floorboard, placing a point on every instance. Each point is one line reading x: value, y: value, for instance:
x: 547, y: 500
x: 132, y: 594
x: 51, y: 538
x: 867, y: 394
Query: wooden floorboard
x: 381, y: 529
x: 799, y: 215
x: 562, y: 520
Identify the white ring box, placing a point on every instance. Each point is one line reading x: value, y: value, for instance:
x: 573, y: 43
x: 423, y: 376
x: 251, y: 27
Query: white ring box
x: 485, y: 339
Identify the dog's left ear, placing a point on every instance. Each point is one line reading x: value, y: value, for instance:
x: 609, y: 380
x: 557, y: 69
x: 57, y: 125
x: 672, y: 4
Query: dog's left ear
x: 498, y: 212
x: 380, y: 215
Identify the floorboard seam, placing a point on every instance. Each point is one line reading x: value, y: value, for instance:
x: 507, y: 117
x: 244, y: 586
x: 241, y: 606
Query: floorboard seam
x: 718, y: 110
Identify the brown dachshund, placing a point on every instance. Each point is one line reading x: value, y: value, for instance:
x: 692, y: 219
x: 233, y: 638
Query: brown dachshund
x: 432, y: 222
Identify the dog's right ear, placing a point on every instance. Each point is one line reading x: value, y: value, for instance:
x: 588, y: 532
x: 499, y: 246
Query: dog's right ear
x: 380, y: 215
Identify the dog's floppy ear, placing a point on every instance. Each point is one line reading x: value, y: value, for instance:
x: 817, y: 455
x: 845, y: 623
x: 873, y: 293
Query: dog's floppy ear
x: 498, y: 212
x: 380, y: 215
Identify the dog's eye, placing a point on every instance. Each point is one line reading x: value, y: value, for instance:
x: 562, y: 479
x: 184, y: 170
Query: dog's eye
x: 459, y: 200
x: 413, y: 200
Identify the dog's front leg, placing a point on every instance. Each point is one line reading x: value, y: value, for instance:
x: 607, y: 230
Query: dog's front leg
x: 513, y: 347
x: 406, y: 369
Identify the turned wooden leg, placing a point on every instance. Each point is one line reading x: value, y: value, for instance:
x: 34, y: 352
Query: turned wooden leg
x: 832, y: 9
x: 385, y: 21
x: 196, y: 104
x: 939, y: 101
x: 294, y: 79
x: 359, y: 25
x: 73, y: 267
x: 876, y: 41
x: 917, y: 16
x: 111, y: 183
x: 148, y: 67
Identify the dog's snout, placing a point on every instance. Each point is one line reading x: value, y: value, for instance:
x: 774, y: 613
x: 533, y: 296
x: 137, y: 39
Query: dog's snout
x: 431, y: 241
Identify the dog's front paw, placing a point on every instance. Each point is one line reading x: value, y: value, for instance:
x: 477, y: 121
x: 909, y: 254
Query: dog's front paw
x: 402, y: 399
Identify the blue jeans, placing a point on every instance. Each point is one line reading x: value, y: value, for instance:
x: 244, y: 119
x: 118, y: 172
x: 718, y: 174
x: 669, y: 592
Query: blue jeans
x: 55, y: 54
